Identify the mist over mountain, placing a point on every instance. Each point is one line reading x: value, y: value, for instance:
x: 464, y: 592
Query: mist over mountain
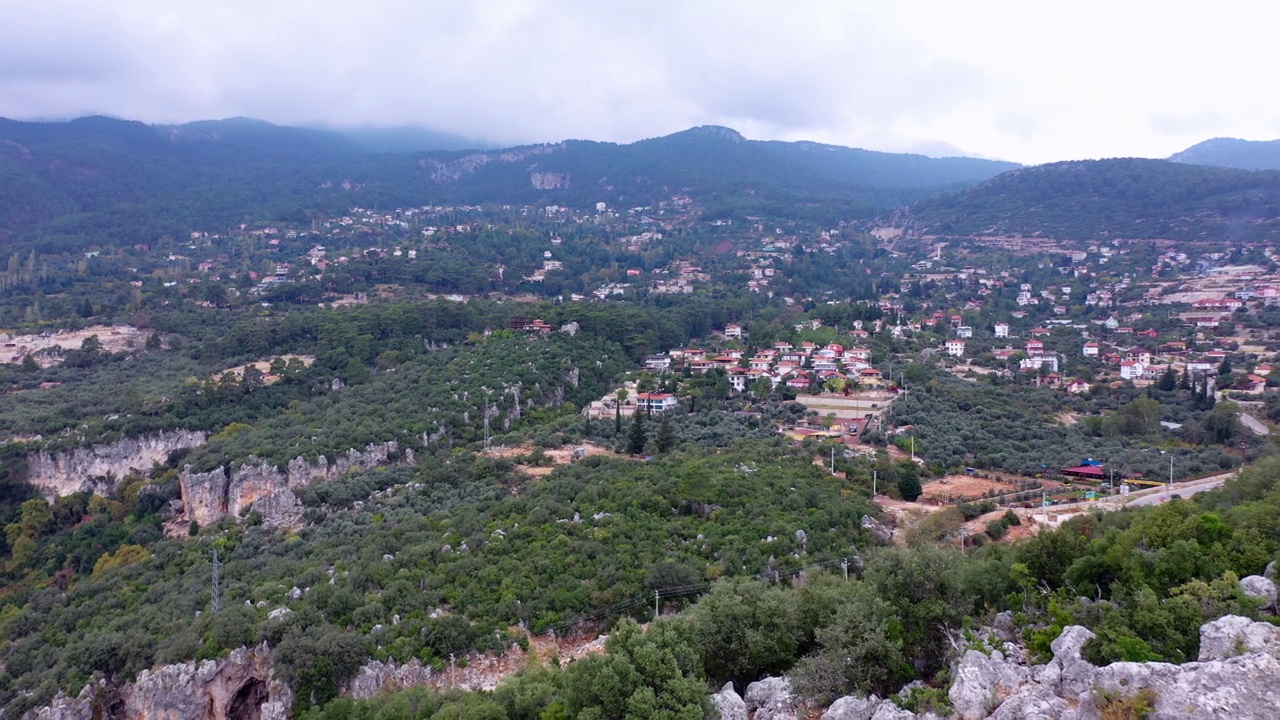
x: 1233, y: 153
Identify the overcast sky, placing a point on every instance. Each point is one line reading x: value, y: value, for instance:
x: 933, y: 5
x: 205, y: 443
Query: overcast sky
x: 1026, y: 80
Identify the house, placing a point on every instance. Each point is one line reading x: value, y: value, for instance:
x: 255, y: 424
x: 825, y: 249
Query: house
x: 1039, y: 332
x: 1090, y: 349
x: 1002, y: 330
x: 1251, y: 384
x: 733, y: 331
x: 1039, y: 362
x: 964, y: 331
x: 1077, y: 387
x: 655, y: 402
x: 1035, y: 347
x: 955, y: 348
x: 1131, y: 369
x: 871, y: 377
x: 658, y: 363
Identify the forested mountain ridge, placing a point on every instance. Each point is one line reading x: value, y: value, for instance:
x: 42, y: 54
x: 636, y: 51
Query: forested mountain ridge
x: 1233, y: 153
x: 96, y: 179
x: 1128, y: 198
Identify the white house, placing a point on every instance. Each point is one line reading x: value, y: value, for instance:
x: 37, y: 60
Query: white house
x: 955, y: 348
x: 733, y: 331
x: 1002, y: 330
x: 964, y: 331
x: 655, y: 402
x: 1131, y: 369
x: 1090, y: 349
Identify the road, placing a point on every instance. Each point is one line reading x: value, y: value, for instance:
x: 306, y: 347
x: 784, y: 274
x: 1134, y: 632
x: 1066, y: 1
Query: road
x: 1254, y: 426
x: 1183, y: 490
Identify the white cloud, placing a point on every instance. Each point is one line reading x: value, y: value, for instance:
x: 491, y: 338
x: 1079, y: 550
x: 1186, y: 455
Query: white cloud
x: 1025, y: 81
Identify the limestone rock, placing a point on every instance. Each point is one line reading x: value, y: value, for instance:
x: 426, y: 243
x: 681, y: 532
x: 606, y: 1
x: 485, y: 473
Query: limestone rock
x: 255, y: 485
x: 98, y: 468
x: 877, y: 528
x: 1241, y: 688
x: 771, y: 699
x: 852, y: 708
x: 1233, y: 635
x: 888, y: 711
x: 375, y: 678
x: 982, y: 683
x: 1259, y: 586
x: 1270, y: 572
x: 241, y: 686
x: 729, y: 704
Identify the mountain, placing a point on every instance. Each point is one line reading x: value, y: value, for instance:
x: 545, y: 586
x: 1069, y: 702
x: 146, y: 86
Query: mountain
x: 1233, y: 153
x: 71, y: 184
x: 1119, y: 198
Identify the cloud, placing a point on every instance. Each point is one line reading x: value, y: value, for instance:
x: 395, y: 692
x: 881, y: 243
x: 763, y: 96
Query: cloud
x: 1025, y: 81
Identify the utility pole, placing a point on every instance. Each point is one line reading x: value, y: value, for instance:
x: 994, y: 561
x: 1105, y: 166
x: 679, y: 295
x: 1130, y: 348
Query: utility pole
x: 1171, y: 475
x: 844, y: 564
x: 655, y: 605
x: 486, y: 419
x: 217, y: 582
x: 875, y: 475
x: 833, y: 461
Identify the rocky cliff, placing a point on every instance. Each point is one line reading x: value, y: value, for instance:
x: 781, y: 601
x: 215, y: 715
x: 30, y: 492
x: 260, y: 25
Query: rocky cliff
x: 240, y: 686
x: 1235, y: 678
x: 256, y: 486
x: 98, y: 468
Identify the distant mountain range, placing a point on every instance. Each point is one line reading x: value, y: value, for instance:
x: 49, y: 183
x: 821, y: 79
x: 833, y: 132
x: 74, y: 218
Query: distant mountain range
x: 1127, y: 198
x: 1233, y: 153
x: 96, y: 177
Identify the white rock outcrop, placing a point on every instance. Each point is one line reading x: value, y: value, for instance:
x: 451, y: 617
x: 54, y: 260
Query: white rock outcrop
x: 729, y: 704
x: 241, y: 686
x: 256, y: 486
x: 771, y: 699
x: 98, y: 468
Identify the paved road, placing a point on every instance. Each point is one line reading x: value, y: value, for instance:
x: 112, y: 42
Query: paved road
x: 1254, y: 426
x: 1183, y: 490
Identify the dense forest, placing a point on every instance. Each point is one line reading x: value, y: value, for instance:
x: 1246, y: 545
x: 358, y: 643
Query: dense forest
x: 1106, y: 199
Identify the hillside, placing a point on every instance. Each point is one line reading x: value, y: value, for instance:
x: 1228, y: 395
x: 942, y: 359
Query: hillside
x: 1120, y: 198
x: 1232, y: 153
x: 75, y: 183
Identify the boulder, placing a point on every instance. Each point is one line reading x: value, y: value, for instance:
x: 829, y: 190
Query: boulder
x: 1233, y: 635
x: 877, y: 528
x: 852, y: 708
x: 729, y: 704
x: 982, y: 683
x: 1260, y: 586
x: 1240, y: 688
x: 1270, y: 572
x: 771, y: 699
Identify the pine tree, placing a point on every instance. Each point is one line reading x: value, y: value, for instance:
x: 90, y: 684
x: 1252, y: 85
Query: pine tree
x: 636, y: 437
x: 666, y: 439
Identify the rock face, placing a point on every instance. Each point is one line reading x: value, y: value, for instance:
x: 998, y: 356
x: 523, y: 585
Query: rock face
x: 771, y: 699
x: 240, y: 686
x: 1235, y: 678
x: 377, y: 677
x: 729, y: 704
x: 256, y: 486
x: 98, y: 468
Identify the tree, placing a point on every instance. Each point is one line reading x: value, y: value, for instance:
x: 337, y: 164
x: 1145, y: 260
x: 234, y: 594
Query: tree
x: 1169, y: 380
x: 620, y: 397
x: 636, y: 436
x: 651, y: 674
x: 908, y: 474
x: 666, y: 439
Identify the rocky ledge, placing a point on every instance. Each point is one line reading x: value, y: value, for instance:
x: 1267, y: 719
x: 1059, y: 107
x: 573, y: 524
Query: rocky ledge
x: 240, y: 686
x: 1234, y: 678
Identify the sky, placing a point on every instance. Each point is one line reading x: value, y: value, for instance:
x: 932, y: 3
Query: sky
x: 1026, y: 81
